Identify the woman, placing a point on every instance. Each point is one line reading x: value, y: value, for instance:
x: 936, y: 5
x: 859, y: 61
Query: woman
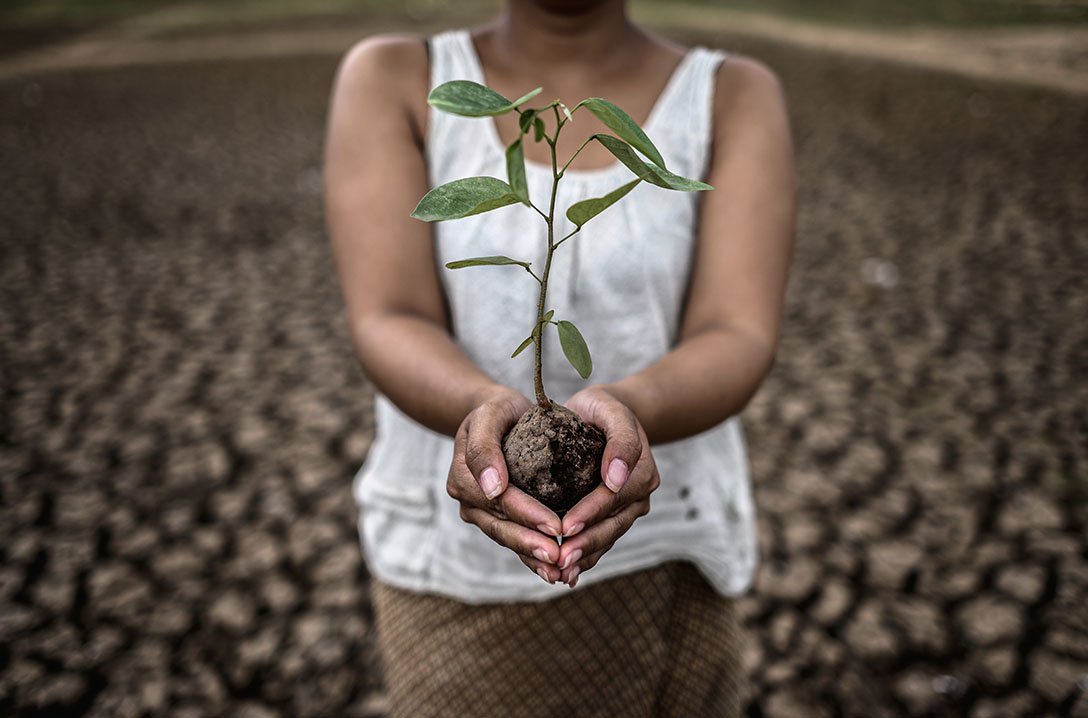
x: 679, y: 296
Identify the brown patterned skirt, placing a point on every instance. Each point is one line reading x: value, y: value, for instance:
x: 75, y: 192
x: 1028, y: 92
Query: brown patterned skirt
x: 658, y: 642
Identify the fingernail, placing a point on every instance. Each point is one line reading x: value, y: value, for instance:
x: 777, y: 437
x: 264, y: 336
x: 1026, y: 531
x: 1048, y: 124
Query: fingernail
x: 490, y: 482
x: 572, y: 557
x: 572, y: 579
x: 545, y: 529
x: 617, y: 475
x: 574, y: 529
x: 542, y: 555
x: 543, y: 574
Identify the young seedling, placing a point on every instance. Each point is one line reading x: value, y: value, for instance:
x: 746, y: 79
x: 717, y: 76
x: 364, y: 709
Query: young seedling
x: 551, y: 454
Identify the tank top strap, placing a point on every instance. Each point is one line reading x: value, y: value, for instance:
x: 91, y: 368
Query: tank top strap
x: 683, y: 118
x: 688, y: 100
x: 453, y: 58
x: 450, y: 137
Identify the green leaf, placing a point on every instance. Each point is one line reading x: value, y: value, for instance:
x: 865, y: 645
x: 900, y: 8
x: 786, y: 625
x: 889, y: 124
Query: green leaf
x: 651, y: 173
x: 495, y: 260
x: 463, y: 198
x: 515, y: 170
x: 567, y: 112
x: 471, y: 99
x: 525, y: 121
x: 527, y: 96
x: 538, y: 129
x: 574, y: 346
x: 582, y: 212
x: 625, y: 128
x: 548, y: 316
x: 522, y: 347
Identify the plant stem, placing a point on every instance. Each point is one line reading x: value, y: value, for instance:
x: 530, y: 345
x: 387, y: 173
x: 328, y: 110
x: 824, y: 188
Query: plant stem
x: 538, y: 379
x: 577, y: 152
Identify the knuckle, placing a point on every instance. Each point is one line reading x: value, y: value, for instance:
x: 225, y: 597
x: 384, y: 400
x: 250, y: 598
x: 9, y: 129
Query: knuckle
x: 476, y: 453
x: 617, y: 525
x: 473, y: 451
x: 629, y: 448
x: 491, y: 528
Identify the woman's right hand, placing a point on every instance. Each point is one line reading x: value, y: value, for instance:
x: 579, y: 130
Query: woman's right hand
x: 478, y: 480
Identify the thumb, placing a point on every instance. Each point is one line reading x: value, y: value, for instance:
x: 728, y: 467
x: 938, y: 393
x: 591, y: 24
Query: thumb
x: 483, y: 452
x: 624, y: 445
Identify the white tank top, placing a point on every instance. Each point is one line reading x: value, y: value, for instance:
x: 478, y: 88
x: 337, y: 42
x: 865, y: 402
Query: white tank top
x: 622, y: 281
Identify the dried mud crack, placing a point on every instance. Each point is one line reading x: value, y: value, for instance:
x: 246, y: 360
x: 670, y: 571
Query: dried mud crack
x: 181, y: 415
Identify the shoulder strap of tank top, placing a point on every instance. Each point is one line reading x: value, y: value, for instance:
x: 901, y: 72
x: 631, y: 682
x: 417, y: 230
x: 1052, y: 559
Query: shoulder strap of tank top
x: 685, y: 110
x: 688, y: 100
x: 452, y: 58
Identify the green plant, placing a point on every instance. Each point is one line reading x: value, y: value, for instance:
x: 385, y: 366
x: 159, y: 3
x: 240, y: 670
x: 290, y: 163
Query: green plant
x: 474, y: 195
x: 568, y: 466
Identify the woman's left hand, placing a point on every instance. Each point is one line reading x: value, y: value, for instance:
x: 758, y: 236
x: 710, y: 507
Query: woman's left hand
x: 592, y: 526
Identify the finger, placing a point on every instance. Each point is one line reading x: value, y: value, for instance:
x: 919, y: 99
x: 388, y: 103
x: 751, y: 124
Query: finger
x: 624, y: 442
x: 570, y: 575
x: 591, y: 508
x: 523, y: 541
x: 513, y: 503
x: 483, y: 450
x: 547, y: 571
x: 518, y: 506
x: 600, y: 536
x: 461, y: 485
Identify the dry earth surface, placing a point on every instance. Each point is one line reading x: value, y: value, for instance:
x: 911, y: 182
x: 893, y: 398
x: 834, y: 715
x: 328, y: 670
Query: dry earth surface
x: 182, y: 415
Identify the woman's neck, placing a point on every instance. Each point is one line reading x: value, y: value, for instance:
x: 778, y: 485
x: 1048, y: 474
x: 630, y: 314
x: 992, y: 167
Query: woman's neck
x: 557, y: 34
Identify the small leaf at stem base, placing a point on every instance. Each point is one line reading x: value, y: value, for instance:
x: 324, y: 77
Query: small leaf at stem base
x: 523, y: 346
x: 574, y: 346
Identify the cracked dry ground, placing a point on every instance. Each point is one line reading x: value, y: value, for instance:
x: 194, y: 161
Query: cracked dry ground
x: 182, y: 415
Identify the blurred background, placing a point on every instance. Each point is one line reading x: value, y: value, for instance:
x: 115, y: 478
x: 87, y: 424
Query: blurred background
x: 181, y: 414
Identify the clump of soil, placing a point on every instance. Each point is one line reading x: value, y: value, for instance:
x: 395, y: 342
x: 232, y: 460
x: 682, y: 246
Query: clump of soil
x: 554, y: 456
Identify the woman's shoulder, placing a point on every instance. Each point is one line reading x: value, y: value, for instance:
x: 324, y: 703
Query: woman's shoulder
x: 742, y: 76
x: 387, y: 60
x: 743, y: 81
x: 747, y: 94
x: 394, y: 53
x: 392, y: 68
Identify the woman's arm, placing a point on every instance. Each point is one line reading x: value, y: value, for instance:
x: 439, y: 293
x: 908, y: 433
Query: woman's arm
x: 374, y: 175
x: 730, y: 323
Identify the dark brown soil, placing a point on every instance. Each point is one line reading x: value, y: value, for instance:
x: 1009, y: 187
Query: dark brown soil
x: 554, y: 456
